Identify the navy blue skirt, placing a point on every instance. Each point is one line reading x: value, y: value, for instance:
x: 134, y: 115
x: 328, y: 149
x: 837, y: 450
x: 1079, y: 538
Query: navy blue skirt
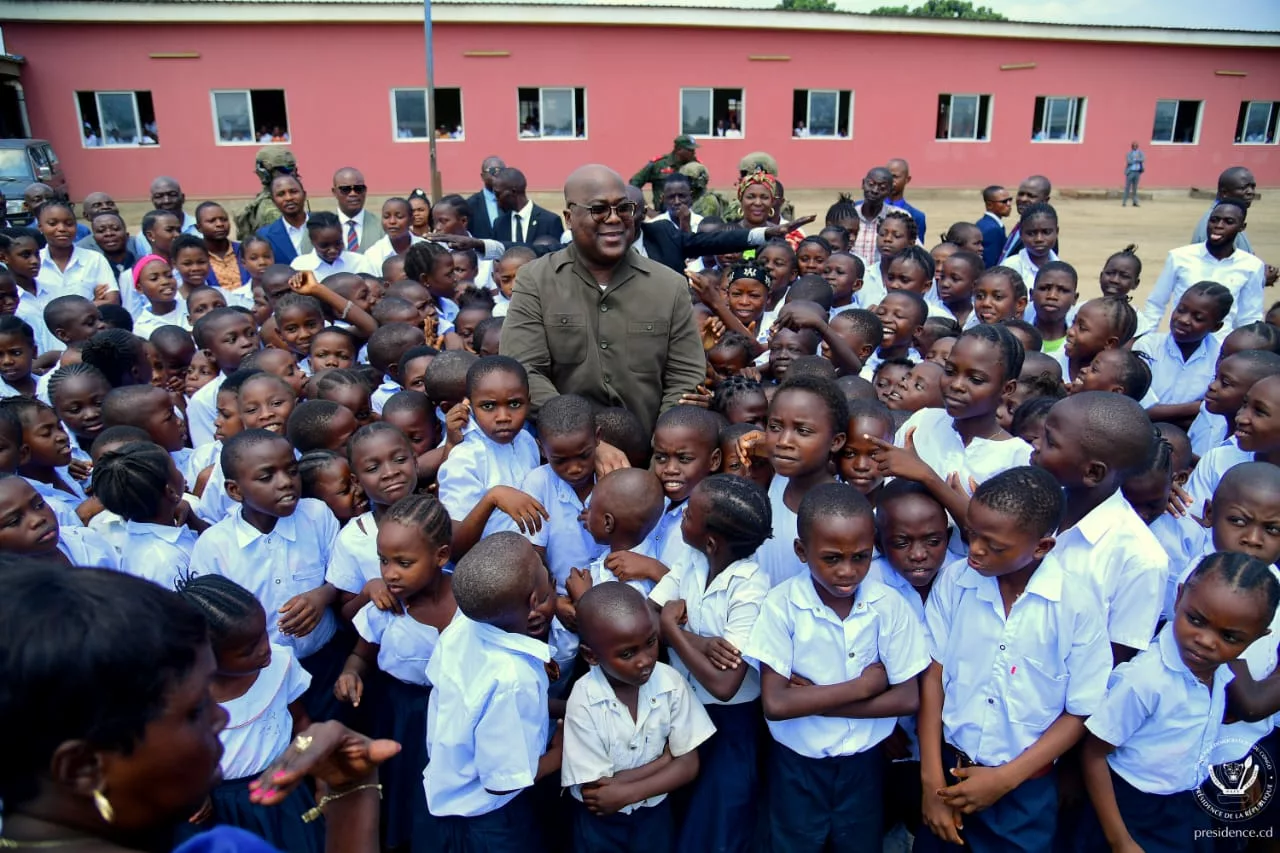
x: 401, y: 715
x: 280, y: 825
x: 724, y: 794
x: 1162, y: 823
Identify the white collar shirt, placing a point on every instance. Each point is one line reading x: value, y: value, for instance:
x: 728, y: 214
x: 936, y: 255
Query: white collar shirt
x: 1173, y: 378
x: 563, y: 538
x: 354, y: 561
x: 1240, y: 272
x: 85, y: 271
x: 405, y: 645
x: 477, y: 465
x: 1210, y: 470
x: 156, y: 552
x: 526, y: 215
x: 84, y: 547
x: 600, y: 574
x: 349, y: 262
x: 259, y: 726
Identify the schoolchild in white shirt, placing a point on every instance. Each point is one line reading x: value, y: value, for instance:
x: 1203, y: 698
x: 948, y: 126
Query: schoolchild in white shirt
x: 397, y: 216
x: 65, y: 320
x: 1236, y: 371
x: 386, y: 347
x: 1151, y: 740
x: 66, y: 268
x: 626, y: 506
x: 329, y: 255
x: 1053, y: 303
x: 1038, y: 229
x: 1257, y: 438
x: 32, y: 529
x: 1184, y: 359
x: 165, y: 306
x: 1001, y: 705
x: 686, y: 450
x: 632, y: 728
x: 42, y: 455
x: 838, y: 655
x: 277, y: 546
x: 488, y: 727
x: 226, y: 336
x: 18, y: 344
x: 160, y: 228
x: 1147, y: 490
x: 76, y: 392
x: 709, y: 603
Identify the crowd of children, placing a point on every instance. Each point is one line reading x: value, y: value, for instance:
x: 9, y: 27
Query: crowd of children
x: 938, y: 552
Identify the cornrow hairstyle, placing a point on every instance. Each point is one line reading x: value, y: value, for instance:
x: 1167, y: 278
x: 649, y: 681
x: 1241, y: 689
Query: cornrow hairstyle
x: 971, y: 259
x: 732, y: 341
x: 421, y: 259
x: 1011, y: 352
x: 1267, y: 332
x: 295, y: 300
x: 843, y: 209
x: 1059, y: 266
x: 339, y: 377
x: 115, y: 352
x: 957, y: 228
x: 239, y: 444
x: 225, y: 604
x: 323, y: 219
x: 738, y: 511
x: 621, y: 428
x: 830, y: 500
x: 117, y: 435
x: 403, y: 202
x: 11, y: 325
x: 475, y: 297
x: 1028, y: 494
x: 308, y: 424
x: 1040, y: 208
x: 826, y: 391
x: 150, y: 219
x: 131, y: 480
x: 813, y: 240
x: 1031, y: 411
x: 1120, y: 314
x: 1219, y: 295
x: 495, y: 364
x: 483, y: 328
x: 1042, y: 384
x: 457, y: 204
x: 942, y: 327
x: 253, y: 239
x: 1130, y: 253
x: 1134, y: 375
x: 565, y: 414
x: 59, y: 310
x: 1242, y: 573
x: 312, y: 463
x: 731, y: 389
x: 906, y: 220
x: 70, y: 371
x: 1037, y: 339
x: 186, y: 241
x: 1162, y: 459
x: 917, y: 255
x: 425, y: 513
x: 839, y: 230
x: 1179, y: 444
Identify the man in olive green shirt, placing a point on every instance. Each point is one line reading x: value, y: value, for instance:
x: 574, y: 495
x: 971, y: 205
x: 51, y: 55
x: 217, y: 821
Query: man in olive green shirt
x: 683, y: 150
x: 600, y: 320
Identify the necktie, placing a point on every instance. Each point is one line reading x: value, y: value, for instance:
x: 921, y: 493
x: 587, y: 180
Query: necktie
x: 519, y: 229
x: 353, y: 239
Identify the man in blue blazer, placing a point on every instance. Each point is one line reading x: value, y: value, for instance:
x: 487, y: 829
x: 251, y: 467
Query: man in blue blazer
x: 998, y: 201
x: 288, y: 235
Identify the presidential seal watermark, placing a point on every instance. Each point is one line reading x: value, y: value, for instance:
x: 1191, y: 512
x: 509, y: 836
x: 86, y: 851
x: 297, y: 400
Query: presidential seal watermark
x: 1238, y: 790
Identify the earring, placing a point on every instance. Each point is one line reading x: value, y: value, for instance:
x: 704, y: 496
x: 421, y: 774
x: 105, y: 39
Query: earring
x: 103, y: 805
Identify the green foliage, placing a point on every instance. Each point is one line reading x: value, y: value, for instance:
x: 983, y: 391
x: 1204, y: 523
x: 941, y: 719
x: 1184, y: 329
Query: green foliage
x: 808, y: 6
x: 959, y: 9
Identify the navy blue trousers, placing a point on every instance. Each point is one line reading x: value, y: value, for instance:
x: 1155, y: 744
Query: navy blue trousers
x: 1159, y: 823
x: 723, y: 797
x: 816, y: 802
x: 1022, y: 821
x: 644, y: 830
x: 514, y: 828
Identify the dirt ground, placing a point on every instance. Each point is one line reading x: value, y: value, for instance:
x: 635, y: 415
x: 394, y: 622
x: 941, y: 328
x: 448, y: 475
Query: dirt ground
x: 1091, y: 228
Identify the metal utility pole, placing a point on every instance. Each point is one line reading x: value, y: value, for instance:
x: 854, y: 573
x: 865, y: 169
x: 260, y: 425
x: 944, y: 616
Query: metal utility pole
x: 436, y: 191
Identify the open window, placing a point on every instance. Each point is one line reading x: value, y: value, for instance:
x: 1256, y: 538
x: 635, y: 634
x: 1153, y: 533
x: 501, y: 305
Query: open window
x: 711, y: 112
x: 1058, y: 119
x: 410, y: 119
x: 250, y: 116
x: 821, y: 114
x: 1176, y: 122
x: 1256, y: 123
x: 116, y: 119
x: 964, y: 118
x: 552, y: 113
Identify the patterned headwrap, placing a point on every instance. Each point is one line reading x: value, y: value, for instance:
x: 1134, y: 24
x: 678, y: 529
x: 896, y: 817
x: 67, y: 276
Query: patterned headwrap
x: 758, y: 177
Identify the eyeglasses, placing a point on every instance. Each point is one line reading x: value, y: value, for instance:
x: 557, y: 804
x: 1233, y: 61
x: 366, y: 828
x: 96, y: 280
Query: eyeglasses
x: 1004, y: 201
x: 492, y: 170
x: 348, y: 189
x: 600, y: 211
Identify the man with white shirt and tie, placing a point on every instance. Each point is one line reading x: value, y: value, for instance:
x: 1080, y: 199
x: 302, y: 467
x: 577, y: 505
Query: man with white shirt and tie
x: 360, y: 228
x: 521, y: 221
x: 484, y: 204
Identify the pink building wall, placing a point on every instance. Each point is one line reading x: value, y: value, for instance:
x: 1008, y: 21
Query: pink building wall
x: 337, y: 80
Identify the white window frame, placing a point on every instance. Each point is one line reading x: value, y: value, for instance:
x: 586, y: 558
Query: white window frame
x: 1077, y: 106
x: 808, y: 114
x: 951, y: 114
x: 1199, y: 118
x: 97, y: 102
x: 1273, y: 107
x: 711, y: 112
x: 542, y: 111
x: 253, y: 124
x: 430, y: 113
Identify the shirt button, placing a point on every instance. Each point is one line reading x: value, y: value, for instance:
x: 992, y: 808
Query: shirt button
x: 991, y: 701
x: 1002, y: 647
x: 564, y: 321
x: 604, y: 345
x: 604, y: 307
x: 648, y: 328
x: 277, y: 580
x: 853, y: 654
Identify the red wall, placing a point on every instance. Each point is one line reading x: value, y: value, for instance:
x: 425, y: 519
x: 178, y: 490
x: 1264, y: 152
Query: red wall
x: 632, y: 101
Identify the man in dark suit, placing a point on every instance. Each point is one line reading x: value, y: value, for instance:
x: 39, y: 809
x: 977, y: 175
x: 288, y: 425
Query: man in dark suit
x: 288, y: 234
x: 521, y: 221
x: 484, y: 204
x: 998, y: 202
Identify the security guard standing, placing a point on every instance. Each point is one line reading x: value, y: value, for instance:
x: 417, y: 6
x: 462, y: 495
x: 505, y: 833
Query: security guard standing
x: 271, y: 161
x: 705, y: 202
x: 683, y: 150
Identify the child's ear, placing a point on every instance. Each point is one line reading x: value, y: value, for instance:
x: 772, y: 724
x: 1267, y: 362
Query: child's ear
x: 393, y: 370
x: 716, y: 458
x: 1009, y: 388
x: 443, y: 553
x: 1113, y: 341
x: 24, y: 454
x: 838, y: 441
x: 609, y: 522
x: 865, y: 351
x: 1021, y: 306
x: 857, y: 285
x: 1044, y: 546
x: 588, y: 655
x: 801, y: 554
x: 61, y: 334
x: 233, y: 491
x: 1216, y: 327
x: 1180, y: 478
x: 1095, y: 473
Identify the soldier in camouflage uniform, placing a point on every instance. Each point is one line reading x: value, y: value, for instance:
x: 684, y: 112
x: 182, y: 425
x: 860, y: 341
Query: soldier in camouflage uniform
x: 753, y: 162
x: 683, y: 150
x: 705, y: 202
x: 260, y: 211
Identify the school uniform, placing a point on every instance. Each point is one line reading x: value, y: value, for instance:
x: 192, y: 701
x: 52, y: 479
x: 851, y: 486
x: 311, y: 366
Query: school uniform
x: 668, y: 535
x: 601, y: 574
x: 500, y: 303
x: 1163, y: 722
x: 348, y: 262
x: 1212, y: 466
x: 1181, y: 539
x: 276, y: 566
x: 7, y: 390
x: 84, y: 547
x: 148, y: 320
x: 382, y: 393
x: 214, y: 504
x: 64, y: 504
x: 1207, y: 431
x: 405, y: 646
x: 727, y: 783
x: 131, y: 298
x: 826, y: 772
x: 1240, y: 272
x: 157, y: 552
x: 354, y: 561
x: 1006, y: 679
x: 30, y: 310
x: 259, y: 728
x: 376, y: 254
x: 563, y: 538
x: 1022, y: 264
x: 777, y: 556
x: 487, y: 726
x: 601, y: 739
x: 477, y: 465
x: 85, y: 271
x: 202, y: 411
x: 1173, y: 378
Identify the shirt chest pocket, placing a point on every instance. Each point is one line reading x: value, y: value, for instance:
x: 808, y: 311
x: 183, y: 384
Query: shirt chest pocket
x: 567, y: 338
x: 646, y: 740
x: 860, y: 652
x: 1037, y: 692
x: 647, y: 345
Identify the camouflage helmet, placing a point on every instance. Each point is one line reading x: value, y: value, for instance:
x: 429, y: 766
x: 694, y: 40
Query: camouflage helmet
x: 697, y: 174
x: 758, y: 161
x: 273, y: 158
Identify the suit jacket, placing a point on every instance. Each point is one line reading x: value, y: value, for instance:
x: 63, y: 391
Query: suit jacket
x: 478, y: 223
x: 371, y: 228
x: 542, y: 223
x: 281, y: 245
x: 993, y: 237
x: 671, y: 247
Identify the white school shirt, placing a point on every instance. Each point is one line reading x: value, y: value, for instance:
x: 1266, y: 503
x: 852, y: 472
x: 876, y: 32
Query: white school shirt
x: 1240, y: 272
x: 1210, y: 471
x: 1027, y: 268
x: 889, y: 576
x: 346, y: 262
x: 563, y: 537
x: 1173, y: 379
x: 487, y: 719
x: 1207, y: 431
x: 131, y: 299
x: 84, y: 547
x: 777, y: 556
x: 64, y: 503
x: 599, y: 574
x: 86, y: 269
x: 259, y: 725
x: 601, y: 739
x: 873, y: 289
x: 7, y: 390
x: 500, y: 303
x: 383, y: 393
x: 1006, y: 679
x: 727, y: 607
x: 1260, y: 656
x: 404, y: 644
x: 156, y: 552
x: 796, y: 632
x: 695, y: 219
x: 148, y: 321
x: 30, y: 310
x: 1181, y: 539
x: 1162, y: 720
x: 354, y: 561
x: 1114, y: 550
x: 274, y: 566
x: 477, y: 465
x: 202, y: 411
x: 214, y: 504
x: 378, y: 253
x: 668, y: 535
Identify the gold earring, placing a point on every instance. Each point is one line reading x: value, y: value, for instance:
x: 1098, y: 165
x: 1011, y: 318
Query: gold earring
x: 105, y: 811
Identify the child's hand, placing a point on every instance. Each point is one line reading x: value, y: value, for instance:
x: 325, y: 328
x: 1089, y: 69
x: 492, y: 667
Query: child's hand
x: 674, y: 613
x: 454, y: 341
x: 553, y: 670
x: 751, y: 444
x: 722, y: 654
x: 798, y: 680
x: 301, y: 614
x: 709, y: 292
x: 349, y: 688
x: 430, y: 325
x: 100, y: 294
x: 524, y: 509
x: 751, y: 372
x: 88, y: 509
x: 381, y: 597
x: 80, y: 469
x: 712, y: 329
x: 944, y: 821
x: 628, y: 566
x: 873, y: 681
x: 305, y: 283
x: 604, y: 796
x: 577, y: 584
x: 978, y: 788
x: 566, y: 612
x: 798, y: 316
x: 609, y: 458
x: 1180, y: 502
x: 701, y: 399
x: 902, y: 461
x: 455, y: 421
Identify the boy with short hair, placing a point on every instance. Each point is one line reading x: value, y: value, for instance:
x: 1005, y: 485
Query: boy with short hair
x: 386, y: 346
x: 504, y: 275
x: 226, y: 336
x: 623, y: 515
x: 686, y: 450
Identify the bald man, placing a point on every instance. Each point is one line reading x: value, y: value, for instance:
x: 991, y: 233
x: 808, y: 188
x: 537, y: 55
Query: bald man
x: 901, y: 172
x: 361, y: 228
x: 1234, y: 184
x: 166, y: 194
x: 600, y: 320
